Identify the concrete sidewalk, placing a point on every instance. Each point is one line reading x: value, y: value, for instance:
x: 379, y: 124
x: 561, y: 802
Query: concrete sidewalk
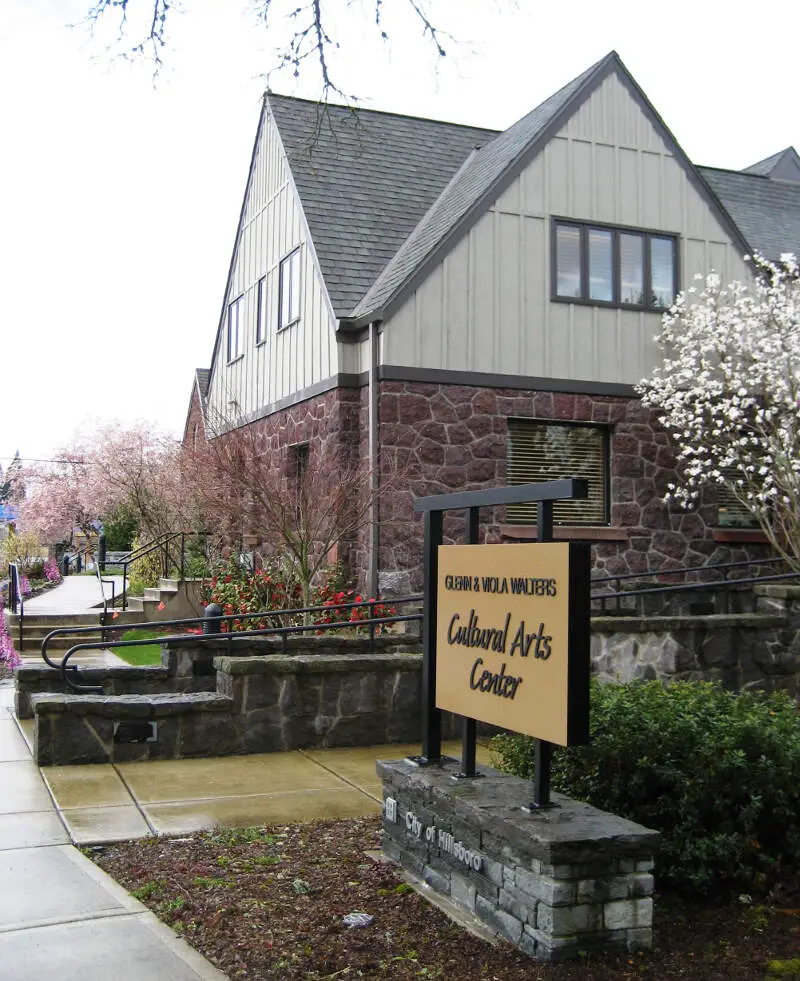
x: 63, y: 919
x: 76, y: 594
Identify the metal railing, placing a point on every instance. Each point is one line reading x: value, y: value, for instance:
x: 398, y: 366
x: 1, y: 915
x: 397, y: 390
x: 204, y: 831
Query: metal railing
x: 212, y: 629
x: 16, y: 599
x: 162, y: 544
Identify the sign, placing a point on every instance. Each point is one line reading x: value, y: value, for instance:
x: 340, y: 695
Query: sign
x: 512, y: 645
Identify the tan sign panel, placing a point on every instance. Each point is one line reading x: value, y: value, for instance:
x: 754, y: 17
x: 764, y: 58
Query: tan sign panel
x: 512, y: 637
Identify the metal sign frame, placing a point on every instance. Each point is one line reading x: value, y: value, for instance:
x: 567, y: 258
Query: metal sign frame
x: 433, y: 508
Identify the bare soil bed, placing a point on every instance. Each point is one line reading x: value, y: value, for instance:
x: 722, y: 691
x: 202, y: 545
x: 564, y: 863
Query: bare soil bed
x: 269, y: 903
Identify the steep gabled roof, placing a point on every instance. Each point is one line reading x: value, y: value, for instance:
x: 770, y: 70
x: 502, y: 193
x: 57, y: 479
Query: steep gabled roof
x: 468, y: 191
x: 782, y: 166
x: 365, y: 180
x: 767, y: 211
x: 483, y: 178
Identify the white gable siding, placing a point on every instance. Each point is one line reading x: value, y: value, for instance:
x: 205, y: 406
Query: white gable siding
x: 292, y: 359
x: 487, y: 306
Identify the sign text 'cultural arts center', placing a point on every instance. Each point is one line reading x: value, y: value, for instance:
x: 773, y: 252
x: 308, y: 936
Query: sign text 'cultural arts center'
x: 513, y: 637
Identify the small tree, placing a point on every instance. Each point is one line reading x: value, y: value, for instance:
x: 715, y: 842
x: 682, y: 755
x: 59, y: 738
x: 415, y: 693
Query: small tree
x: 300, y: 501
x: 729, y: 395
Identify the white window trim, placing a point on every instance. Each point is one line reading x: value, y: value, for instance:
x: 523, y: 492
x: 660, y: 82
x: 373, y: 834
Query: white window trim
x: 234, y: 351
x: 292, y: 262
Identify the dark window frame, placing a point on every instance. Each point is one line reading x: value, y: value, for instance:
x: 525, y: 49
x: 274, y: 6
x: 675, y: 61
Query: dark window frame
x: 287, y: 261
x: 605, y: 430
x: 615, y: 303
x: 261, y: 310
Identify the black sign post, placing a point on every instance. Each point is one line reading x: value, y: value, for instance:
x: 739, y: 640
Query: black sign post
x: 433, y: 509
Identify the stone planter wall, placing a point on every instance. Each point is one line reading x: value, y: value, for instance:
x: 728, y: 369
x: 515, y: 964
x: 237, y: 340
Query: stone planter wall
x: 741, y: 651
x: 554, y: 882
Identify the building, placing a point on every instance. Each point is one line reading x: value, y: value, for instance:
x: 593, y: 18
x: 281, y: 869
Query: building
x: 475, y: 307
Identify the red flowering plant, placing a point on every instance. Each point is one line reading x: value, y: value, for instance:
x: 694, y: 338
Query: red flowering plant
x: 239, y: 590
x: 334, y: 594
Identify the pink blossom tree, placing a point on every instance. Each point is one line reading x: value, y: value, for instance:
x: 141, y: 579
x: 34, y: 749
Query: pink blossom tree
x: 112, y: 465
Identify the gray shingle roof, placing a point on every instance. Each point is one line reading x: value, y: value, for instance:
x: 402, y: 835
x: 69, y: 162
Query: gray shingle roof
x: 202, y: 375
x: 476, y: 180
x: 365, y: 179
x: 783, y: 165
x: 767, y: 212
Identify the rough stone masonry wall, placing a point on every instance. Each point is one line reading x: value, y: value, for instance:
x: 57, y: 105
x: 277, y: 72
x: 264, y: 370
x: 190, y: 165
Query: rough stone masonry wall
x: 554, y: 883
x: 454, y: 437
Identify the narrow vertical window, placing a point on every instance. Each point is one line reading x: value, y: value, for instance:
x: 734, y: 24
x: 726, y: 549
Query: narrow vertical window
x: 601, y: 265
x: 234, y: 329
x: 261, y: 310
x: 662, y: 271
x: 631, y: 269
x: 289, y: 288
x: 568, y: 261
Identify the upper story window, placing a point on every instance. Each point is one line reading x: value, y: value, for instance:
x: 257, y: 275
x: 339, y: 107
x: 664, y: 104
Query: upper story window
x: 234, y: 334
x: 289, y: 290
x: 611, y: 266
x: 261, y: 310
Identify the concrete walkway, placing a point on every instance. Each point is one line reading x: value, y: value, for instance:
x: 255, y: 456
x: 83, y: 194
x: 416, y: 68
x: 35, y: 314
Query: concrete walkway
x: 63, y: 919
x: 76, y: 594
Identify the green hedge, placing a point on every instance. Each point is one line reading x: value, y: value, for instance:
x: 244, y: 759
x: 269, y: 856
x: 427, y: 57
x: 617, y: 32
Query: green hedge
x: 717, y: 773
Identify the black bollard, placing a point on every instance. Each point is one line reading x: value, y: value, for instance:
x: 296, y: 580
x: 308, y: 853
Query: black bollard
x: 101, y: 553
x: 212, y: 619
x: 65, y: 566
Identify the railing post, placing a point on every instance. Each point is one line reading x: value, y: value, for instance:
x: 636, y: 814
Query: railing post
x: 431, y: 716
x: 371, y: 610
x: 183, y: 556
x: 124, y: 586
x: 101, y: 553
x: 543, y: 750
x: 469, y: 735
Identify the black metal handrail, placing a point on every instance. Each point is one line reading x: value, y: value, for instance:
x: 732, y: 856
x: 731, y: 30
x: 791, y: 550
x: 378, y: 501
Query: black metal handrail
x: 162, y: 542
x: 69, y: 673
x: 726, y: 585
x: 230, y: 618
x: 15, y: 598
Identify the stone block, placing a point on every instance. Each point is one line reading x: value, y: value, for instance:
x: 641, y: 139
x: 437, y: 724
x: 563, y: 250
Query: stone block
x: 504, y: 923
x: 462, y: 892
x: 437, y: 879
x: 627, y: 914
x: 561, y: 921
x: 554, y: 892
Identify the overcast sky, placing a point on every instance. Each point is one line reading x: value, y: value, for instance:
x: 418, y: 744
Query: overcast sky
x: 119, y: 198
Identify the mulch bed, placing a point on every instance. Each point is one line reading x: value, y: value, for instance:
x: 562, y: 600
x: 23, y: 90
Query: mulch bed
x: 268, y: 903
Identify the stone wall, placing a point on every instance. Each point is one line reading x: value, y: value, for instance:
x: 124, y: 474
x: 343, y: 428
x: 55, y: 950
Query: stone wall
x: 554, y: 882
x: 453, y: 437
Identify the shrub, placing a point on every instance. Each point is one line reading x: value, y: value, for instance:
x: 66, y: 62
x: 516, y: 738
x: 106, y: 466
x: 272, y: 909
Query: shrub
x: 145, y: 572
x: 51, y: 571
x: 238, y: 590
x: 715, y: 772
x: 8, y: 654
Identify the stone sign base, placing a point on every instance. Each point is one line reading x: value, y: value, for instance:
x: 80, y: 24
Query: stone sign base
x: 556, y: 882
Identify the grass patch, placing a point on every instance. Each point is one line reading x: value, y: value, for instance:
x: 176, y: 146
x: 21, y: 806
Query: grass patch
x: 140, y: 654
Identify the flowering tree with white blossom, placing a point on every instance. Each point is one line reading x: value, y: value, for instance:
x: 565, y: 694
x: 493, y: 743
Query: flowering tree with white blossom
x: 729, y: 394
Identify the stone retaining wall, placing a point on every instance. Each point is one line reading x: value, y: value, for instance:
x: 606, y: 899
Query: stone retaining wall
x: 554, y: 882
x: 741, y: 651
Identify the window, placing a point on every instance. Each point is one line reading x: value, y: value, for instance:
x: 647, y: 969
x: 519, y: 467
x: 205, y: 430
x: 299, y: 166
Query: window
x: 289, y: 296
x: 261, y: 310
x: 613, y: 266
x: 554, y: 451
x: 234, y: 329
x: 731, y: 513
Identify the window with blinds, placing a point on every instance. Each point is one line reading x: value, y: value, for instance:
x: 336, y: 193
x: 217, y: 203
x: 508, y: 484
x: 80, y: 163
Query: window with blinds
x: 730, y: 512
x: 613, y: 266
x: 540, y: 451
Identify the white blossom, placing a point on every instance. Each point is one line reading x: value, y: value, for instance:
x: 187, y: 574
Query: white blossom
x: 728, y: 392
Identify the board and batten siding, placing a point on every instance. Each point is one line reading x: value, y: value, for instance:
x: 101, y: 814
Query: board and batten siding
x: 292, y: 359
x: 487, y: 307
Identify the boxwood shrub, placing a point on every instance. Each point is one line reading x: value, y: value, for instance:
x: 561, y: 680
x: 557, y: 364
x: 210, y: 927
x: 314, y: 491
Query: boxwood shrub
x: 716, y: 772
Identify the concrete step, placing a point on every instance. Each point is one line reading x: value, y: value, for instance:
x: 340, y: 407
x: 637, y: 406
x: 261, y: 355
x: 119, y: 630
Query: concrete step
x: 160, y: 594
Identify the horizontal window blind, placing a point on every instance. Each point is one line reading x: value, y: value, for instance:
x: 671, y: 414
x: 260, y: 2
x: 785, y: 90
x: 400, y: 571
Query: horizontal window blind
x: 732, y: 513
x: 540, y: 451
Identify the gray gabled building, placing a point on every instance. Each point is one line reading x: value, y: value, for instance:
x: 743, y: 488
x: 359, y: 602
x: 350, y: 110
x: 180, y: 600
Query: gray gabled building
x: 476, y: 306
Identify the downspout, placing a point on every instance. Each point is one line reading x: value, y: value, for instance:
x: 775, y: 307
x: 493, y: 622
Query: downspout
x: 374, y: 454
